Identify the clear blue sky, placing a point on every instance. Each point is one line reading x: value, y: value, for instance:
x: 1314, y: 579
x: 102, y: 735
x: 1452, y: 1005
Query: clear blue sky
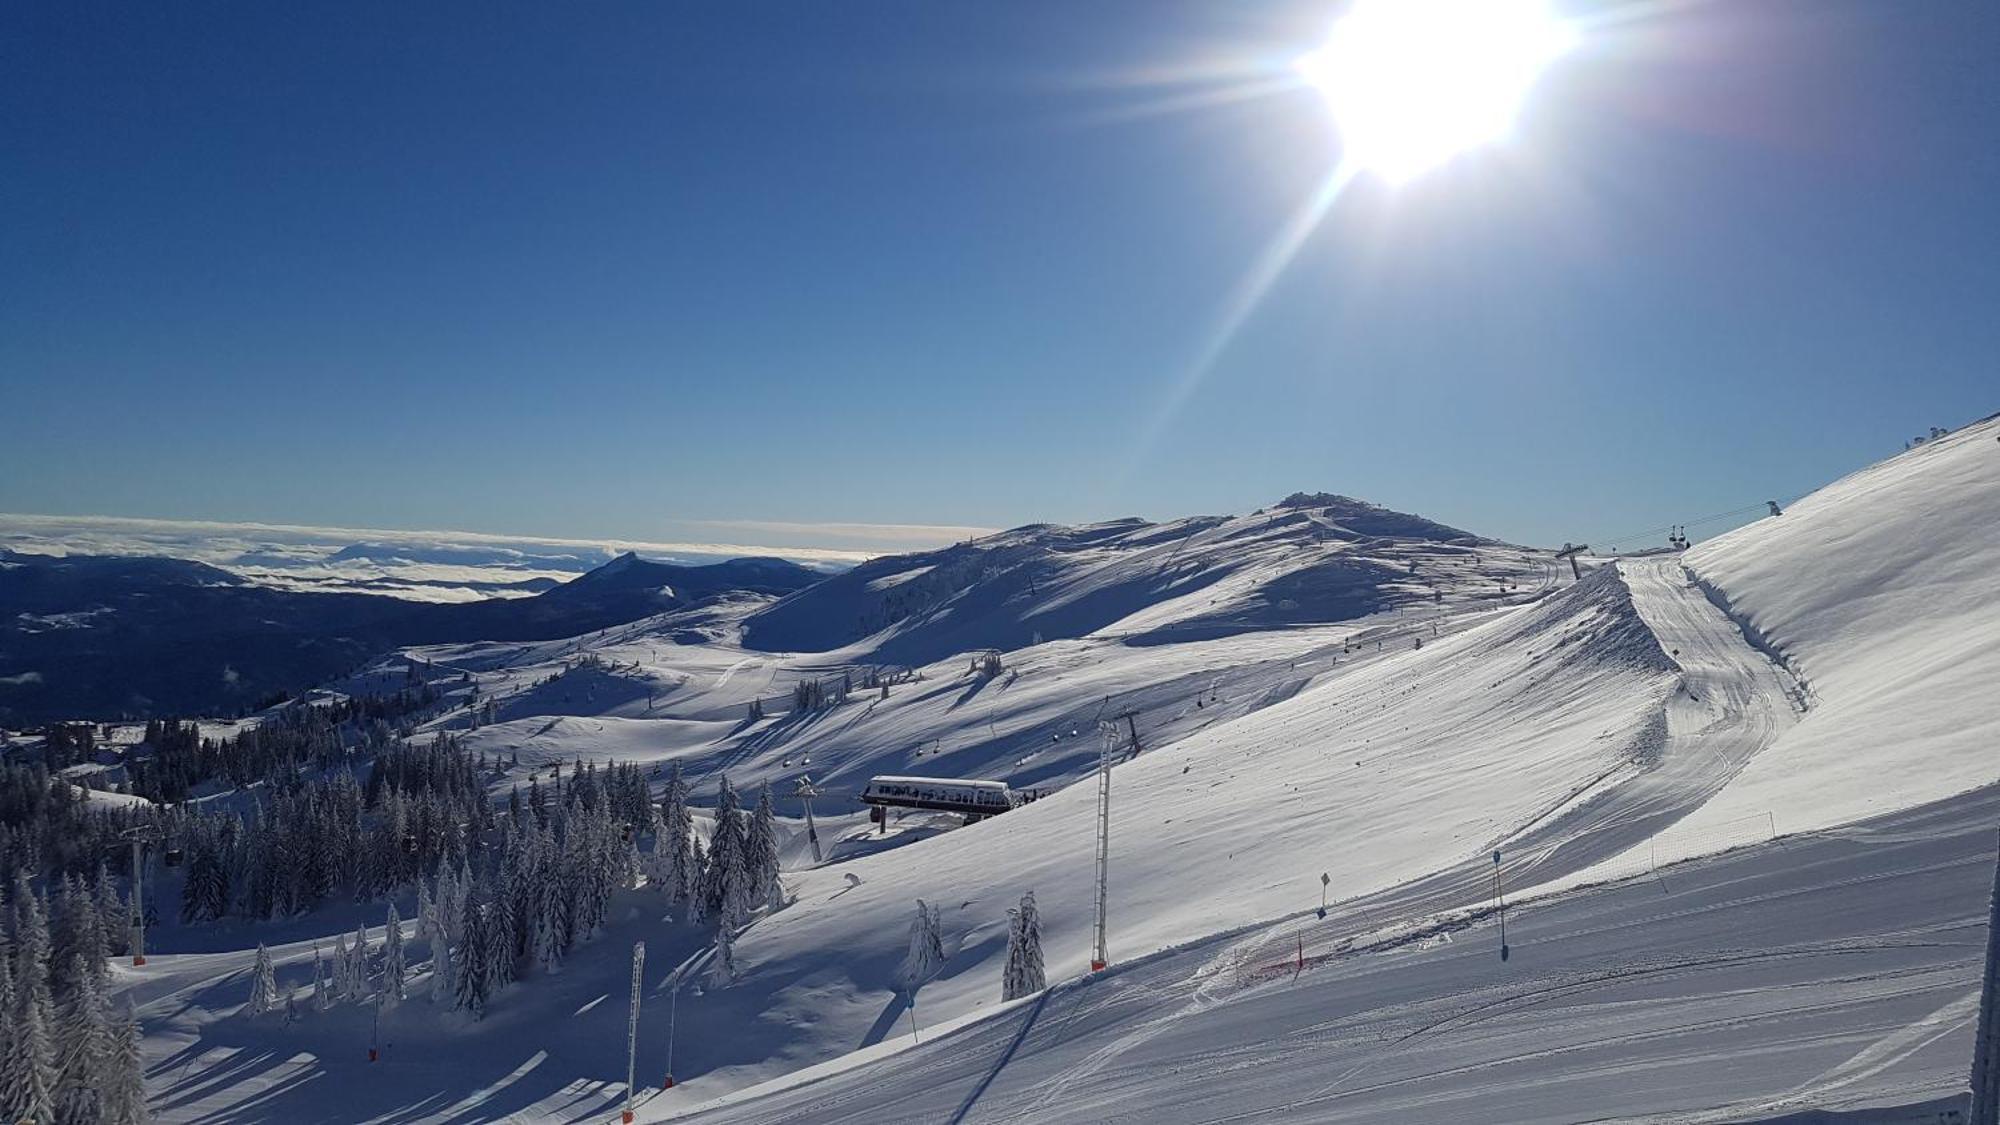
x: 620, y: 269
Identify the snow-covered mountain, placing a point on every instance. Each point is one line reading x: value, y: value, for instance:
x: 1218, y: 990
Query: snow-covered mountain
x: 1309, y: 560
x: 1330, y: 700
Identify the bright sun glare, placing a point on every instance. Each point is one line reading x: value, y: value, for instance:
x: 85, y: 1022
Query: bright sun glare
x: 1412, y: 83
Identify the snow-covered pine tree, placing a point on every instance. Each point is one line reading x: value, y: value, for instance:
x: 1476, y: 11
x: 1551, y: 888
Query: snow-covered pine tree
x: 393, y: 970
x: 357, y: 981
x: 760, y: 846
x: 322, y: 988
x: 124, y: 1089
x: 28, y: 1065
x: 343, y: 969
x: 496, y: 944
x: 926, y: 951
x: 676, y: 840
x: 263, y: 984
x: 726, y: 893
x: 82, y: 1049
x: 444, y: 975
x: 1024, y: 975
x: 424, y: 910
x: 470, y: 987
x: 78, y: 943
x: 111, y: 913
x: 722, y: 967
x: 548, y: 952
x: 28, y: 1071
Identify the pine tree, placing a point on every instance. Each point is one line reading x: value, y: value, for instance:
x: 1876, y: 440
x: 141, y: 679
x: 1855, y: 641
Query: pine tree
x: 28, y: 1067
x: 124, y: 1089
x: 726, y: 889
x: 760, y: 847
x: 1024, y: 975
x: 357, y: 980
x: 722, y: 967
x: 392, y: 956
x: 424, y: 910
x: 111, y: 913
x: 82, y: 1049
x: 676, y: 841
x: 548, y: 927
x: 470, y: 988
x: 322, y: 988
x: 926, y: 950
x: 28, y: 1070
x: 444, y: 976
x: 496, y: 943
x: 342, y: 976
x: 263, y: 984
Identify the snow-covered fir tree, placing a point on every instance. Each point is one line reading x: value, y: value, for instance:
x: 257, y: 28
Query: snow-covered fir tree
x: 726, y: 890
x: 123, y: 1093
x: 675, y: 843
x: 444, y: 975
x: 263, y: 984
x: 760, y: 853
x: 722, y: 966
x: 425, y: 911
x: 926, y: 948
x: 83, y: 1050
x: 1023, y: 975
x: 28, y: 1067
x: 393, y: 969
x: 470, y: 988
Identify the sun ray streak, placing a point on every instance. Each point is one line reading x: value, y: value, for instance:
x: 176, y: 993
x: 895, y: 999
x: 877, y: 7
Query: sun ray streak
x: 1237, y: 308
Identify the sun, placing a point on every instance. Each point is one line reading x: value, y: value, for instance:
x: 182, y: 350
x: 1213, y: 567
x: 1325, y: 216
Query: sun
x: 1413, y: 83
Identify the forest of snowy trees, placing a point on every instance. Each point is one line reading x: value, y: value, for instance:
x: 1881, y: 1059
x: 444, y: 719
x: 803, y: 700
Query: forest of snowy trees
x: 66, y: 1053
x: 500, y: 893
x: 302, y: 736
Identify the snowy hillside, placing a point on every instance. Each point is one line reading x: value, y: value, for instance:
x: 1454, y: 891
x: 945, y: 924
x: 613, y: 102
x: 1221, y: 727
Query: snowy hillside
x: 1312, y: 559
x: 1323, y: 705
x: 1878, y: 591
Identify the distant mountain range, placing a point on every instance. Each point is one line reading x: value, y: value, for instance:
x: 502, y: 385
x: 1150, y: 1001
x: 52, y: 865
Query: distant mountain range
x: 102, y: 636
x: 93, y: 636
x: 1312, y: 558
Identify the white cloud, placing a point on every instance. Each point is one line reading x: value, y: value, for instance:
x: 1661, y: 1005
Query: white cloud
x: 21, y: 680
x: 422, y: 565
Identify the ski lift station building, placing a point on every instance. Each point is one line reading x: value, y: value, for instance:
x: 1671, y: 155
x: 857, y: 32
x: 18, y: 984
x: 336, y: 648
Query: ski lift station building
x: 941, y: 794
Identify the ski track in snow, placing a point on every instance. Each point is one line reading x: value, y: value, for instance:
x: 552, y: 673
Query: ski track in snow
x: 1829, y: 968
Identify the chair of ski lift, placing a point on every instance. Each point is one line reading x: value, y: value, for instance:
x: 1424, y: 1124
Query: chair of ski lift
x: 172, y: 857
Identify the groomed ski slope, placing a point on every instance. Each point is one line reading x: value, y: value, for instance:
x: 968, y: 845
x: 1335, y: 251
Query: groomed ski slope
x: 1831, y: 970
x: 1410, y: 765
x: 1847, y: 979
x: 1880, y: 592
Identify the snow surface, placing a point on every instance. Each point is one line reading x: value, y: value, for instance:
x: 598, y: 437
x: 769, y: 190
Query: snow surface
x: 1879, y: 591
x: 1589, y: 732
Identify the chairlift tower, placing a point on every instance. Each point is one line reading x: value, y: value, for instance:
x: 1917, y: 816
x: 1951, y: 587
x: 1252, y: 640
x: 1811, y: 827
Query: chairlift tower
x: 632, y: 1028
x: 806, y: 791
x: 1570, y: 552
x: 140, y: 837
x: 1100, y: 956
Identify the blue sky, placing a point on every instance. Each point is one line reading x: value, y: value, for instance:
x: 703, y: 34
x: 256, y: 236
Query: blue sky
x: 654, y: 270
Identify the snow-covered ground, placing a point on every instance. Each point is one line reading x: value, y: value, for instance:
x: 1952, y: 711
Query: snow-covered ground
x: 1830, y: 970
x: 1589, y: 732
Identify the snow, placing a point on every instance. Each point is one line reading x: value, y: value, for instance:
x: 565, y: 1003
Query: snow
x: 1833, y: 971
x: 1879, y: 591
x: 1629, y: 745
